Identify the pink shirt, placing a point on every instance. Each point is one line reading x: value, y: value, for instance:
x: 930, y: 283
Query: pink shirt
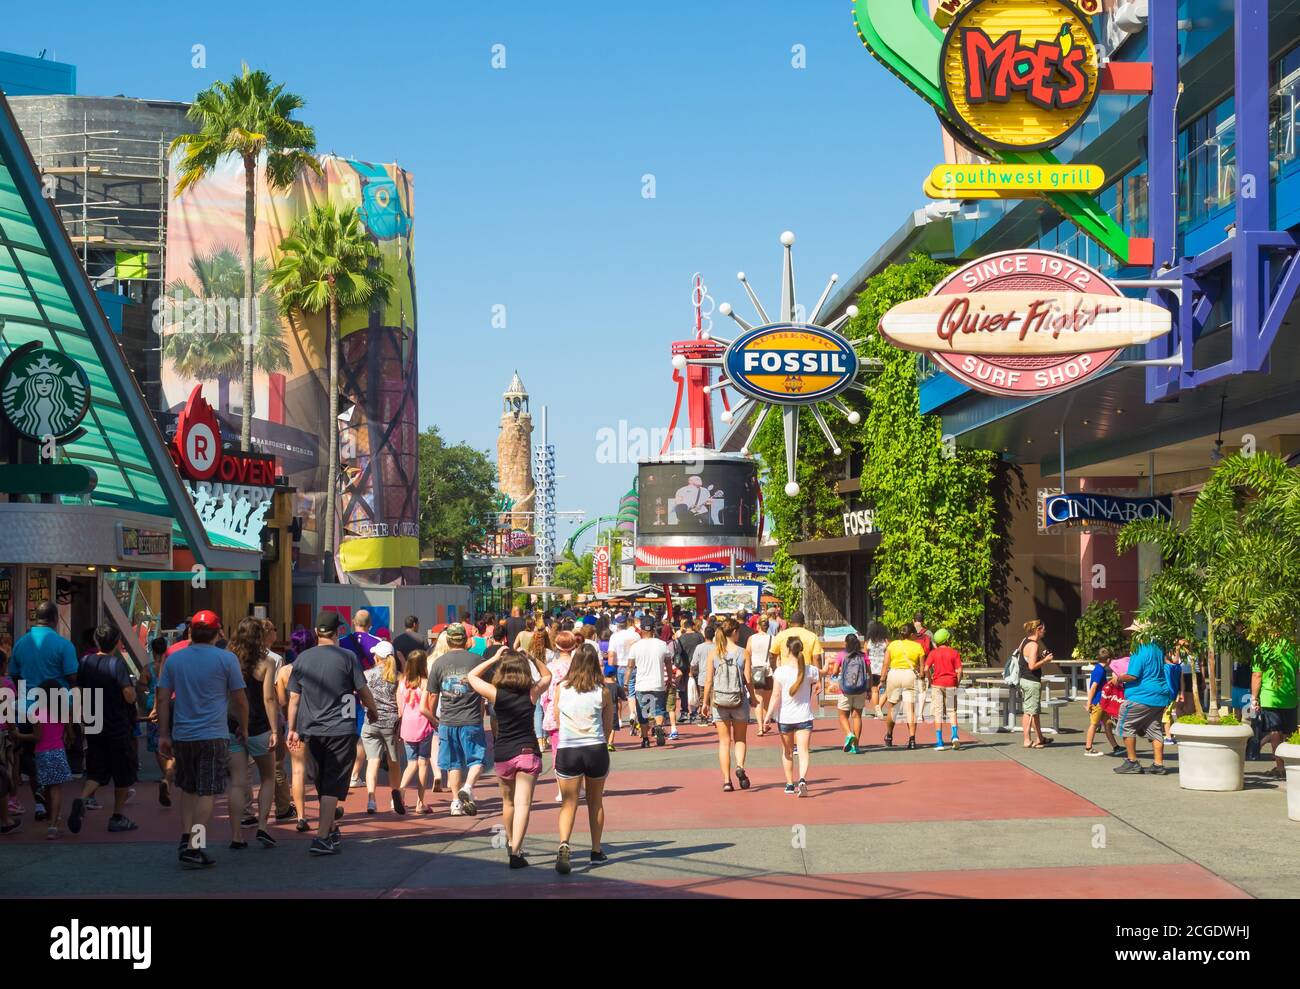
x: 559, y: 670
x: 415, y: 726
x: 49, y: 737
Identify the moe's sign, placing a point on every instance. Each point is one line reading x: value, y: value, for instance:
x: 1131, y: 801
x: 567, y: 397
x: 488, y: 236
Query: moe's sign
x: 790, y: 363
x: 1024, y: 323
x: 1019, y: 75
x: 1100, y: 510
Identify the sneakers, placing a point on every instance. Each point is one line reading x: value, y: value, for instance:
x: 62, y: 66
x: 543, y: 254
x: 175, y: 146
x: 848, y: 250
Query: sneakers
x: 164, y: 794
x: 398, y: 806
x: 672, y: 735
x: 77, y: 814
x: 248, y: 821
x: 803, y: 787
x: 911, y: 742
x: 195, y: 858
x: 1156, y: 769
x: 11, y: 827
x: 790, y: 788
x: 599, y: 857
x: 92, y: 803
x: 457, y: 809
x: 371, y: 806
x: 467, y: 803
x: 562, y: 865
x: 1093, y: 752
x: 956, y: 742
x: 1129, y: 766
x: 645, y: 742
x: 850, y: 742
x: 264, y: 839
x: 116, y: 824
x: 290, y: 813
x: 319, y: 847
x: 303, y: 827
x: 518, y: 861
x: 660, y: 737
x: 1119, y: 750
x: 356, y: 782
x: 939, y: 746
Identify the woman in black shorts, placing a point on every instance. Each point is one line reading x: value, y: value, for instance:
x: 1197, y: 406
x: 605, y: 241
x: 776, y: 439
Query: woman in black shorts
x: 585, y: 714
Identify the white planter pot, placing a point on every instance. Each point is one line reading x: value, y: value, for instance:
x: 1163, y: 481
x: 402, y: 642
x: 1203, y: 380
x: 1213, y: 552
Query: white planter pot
x: 1211, y: 757
x: 1290, y: 756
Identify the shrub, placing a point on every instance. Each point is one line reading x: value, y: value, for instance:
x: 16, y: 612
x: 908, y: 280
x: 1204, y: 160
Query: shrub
x: 1200, y: 719
x: 1100, y: 627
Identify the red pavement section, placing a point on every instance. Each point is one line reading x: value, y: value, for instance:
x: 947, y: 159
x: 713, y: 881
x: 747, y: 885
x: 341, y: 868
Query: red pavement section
x: 966, y: 786
x: 1181, y: 881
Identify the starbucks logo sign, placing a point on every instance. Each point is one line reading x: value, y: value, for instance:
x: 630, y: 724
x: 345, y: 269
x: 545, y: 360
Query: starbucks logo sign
x: 43, y: 393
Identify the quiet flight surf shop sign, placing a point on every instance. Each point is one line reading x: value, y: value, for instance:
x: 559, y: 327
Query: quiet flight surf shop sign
x: 1024, y: 323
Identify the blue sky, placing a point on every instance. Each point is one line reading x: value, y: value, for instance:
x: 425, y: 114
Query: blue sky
x: 529, y: 178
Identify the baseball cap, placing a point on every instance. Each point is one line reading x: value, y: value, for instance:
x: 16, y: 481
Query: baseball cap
x: 620, y: 619
x: 456, y: 632
x: 209, y: 619
x: 648, y: 623
x: 328, y: 622
x: 383, y: 649
x: 941, y: 636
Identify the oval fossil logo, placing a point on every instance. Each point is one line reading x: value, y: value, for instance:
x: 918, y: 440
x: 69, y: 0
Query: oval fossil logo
x: 790, y: 363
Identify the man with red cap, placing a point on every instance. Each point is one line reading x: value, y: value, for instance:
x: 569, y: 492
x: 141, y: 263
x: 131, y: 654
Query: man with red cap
x: 200, y: 686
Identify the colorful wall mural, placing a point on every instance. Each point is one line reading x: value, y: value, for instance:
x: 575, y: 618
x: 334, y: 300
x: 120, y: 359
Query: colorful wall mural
x: 202, y: 343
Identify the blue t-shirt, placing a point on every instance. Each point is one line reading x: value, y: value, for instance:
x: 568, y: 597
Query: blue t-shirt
x: 40, y: 655
x: 1151, y: 687
x: 202, y: 677
x: 1174, y: 671
x: 1100, y: 673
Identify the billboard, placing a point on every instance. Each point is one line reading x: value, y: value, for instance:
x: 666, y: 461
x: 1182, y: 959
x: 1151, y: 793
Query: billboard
x: 707, y: 498
x: 200, y: 321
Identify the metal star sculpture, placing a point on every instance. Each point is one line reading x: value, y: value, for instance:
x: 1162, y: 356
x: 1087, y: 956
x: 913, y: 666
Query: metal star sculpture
x: 815, y: 365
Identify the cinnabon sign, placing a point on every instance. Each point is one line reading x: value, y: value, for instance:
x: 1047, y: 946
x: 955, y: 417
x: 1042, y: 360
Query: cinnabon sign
x: 197, y: 449
x: 1024, y: 323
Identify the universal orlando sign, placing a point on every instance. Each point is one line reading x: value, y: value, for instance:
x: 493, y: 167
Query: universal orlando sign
x: 1024, y: 323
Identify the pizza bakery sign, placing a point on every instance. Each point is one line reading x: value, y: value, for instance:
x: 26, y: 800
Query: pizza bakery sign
x: 1024, y: 323
x: 231, y: 492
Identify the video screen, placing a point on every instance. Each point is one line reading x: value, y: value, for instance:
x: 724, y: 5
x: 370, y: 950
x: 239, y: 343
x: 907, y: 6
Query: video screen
x: 717, y: 499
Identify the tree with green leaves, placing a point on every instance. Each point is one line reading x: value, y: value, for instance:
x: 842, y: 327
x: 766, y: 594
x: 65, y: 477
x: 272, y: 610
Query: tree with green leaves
x: 248, y: 116
x: 1233, y: 570
x: 932, y: 501
x: 458, y: 499
x: 1101, y: 626
x: 212, y: 351
x: 574, y: 572
x: 329, y: 264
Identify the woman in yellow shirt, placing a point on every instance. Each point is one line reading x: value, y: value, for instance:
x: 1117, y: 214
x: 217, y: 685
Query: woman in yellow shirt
x: 903, y: 659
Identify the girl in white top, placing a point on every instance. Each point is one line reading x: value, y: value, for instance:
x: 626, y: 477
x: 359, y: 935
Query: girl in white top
x: 758, y: 658
x: 585, y: 714
x: 795, y: 684
x: 877, y: 643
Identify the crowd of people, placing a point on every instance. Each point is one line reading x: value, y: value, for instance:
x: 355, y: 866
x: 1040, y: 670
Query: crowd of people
x: 221, y: 710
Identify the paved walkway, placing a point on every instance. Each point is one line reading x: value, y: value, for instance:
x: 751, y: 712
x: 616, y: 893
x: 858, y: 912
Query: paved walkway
x: 990, y: 820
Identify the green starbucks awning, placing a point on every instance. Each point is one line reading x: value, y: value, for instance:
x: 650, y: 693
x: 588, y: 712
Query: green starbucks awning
x: 45, y: 297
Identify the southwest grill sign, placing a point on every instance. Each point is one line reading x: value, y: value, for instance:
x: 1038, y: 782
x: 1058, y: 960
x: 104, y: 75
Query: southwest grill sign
x: 1024, y: 323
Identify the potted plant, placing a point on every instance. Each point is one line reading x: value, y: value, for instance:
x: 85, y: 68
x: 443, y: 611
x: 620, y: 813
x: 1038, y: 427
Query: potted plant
x: 1233, y: 570
x: 1289, y: 753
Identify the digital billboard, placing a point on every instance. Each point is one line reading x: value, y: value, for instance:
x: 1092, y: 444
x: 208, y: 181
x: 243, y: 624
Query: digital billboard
x: 705, y: 498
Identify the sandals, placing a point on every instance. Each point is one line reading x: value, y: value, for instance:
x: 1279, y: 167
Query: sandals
x: 727, y: 787
x: 743, y: 777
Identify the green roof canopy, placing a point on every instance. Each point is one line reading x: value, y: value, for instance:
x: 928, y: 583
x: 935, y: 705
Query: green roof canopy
x: 46, y: 297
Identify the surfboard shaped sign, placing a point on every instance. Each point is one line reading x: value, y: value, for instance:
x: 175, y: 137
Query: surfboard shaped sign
x: 790, y: 363
x: 1024, y: 323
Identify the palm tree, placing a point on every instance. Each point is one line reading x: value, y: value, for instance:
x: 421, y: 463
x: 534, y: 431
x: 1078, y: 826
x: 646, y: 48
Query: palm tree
x: 212, y: 352
x: 329, y: 264
x: 1235, y: 567
x: 248, y: 116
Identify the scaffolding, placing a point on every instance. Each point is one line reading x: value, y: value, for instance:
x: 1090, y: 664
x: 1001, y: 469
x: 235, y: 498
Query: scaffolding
x: 110, y: 191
